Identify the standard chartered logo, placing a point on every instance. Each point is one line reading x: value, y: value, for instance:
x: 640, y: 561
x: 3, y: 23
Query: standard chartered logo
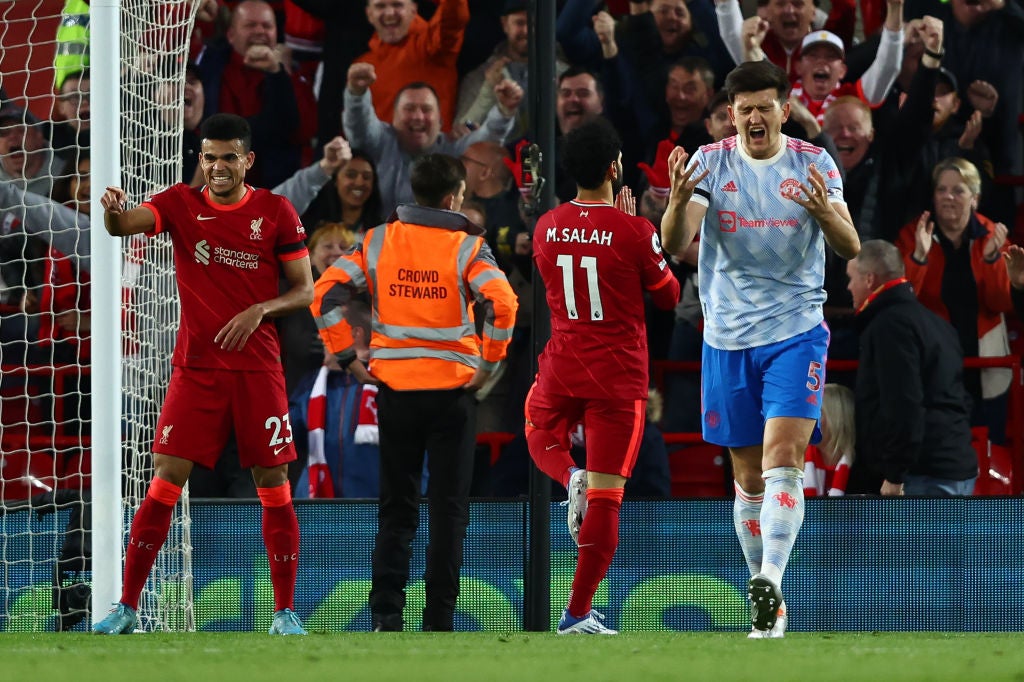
x: 244, y: 260
x: 202, y: 252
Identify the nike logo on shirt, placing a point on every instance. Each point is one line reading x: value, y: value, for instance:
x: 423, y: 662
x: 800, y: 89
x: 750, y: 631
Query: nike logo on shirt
x: 206, y: 217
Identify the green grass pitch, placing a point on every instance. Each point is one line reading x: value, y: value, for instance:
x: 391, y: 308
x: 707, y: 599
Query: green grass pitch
x: 519, y: 657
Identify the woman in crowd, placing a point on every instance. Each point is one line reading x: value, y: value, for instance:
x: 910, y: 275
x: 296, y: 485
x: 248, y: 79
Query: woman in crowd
x: 953, y: 256
x: 352, y: 198
x: 827, y: 464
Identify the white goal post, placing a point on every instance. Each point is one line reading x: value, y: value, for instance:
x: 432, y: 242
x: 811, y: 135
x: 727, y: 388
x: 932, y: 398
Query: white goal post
x: 139, y: 55
x: 134, y: 53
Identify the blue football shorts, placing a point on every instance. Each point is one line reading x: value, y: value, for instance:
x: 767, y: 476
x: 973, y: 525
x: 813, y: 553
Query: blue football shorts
x: 742, y: 389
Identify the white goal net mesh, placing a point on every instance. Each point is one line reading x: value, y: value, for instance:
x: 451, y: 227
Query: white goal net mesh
x: 45, y: 413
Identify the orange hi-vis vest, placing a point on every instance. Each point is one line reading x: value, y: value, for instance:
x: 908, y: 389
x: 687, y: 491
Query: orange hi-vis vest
x: 423, y: 270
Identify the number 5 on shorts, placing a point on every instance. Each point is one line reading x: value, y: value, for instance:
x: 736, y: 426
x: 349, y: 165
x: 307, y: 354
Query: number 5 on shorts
x: 814, y: 376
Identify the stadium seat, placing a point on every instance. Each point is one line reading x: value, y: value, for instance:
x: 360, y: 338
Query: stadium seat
x: 24, y: 474
x: 18, y: 410
x: 495, y: 440
x: 699, y: 471
x: 995, y: 465
x: 76, y: 472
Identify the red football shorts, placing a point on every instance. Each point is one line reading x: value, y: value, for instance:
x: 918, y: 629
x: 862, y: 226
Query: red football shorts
x: 612, y: 427
x: 204, y: 405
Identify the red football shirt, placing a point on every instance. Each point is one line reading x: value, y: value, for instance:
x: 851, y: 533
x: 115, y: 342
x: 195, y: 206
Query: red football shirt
x: 596, y: 262
x: 226, y: 258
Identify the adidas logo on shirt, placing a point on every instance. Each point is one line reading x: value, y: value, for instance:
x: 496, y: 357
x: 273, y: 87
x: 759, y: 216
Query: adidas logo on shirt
x: 730, y: 187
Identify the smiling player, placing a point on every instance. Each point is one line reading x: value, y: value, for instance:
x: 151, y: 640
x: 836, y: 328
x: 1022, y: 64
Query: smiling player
x: 231, y: 242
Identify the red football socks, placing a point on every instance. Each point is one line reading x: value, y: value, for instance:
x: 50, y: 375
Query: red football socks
x: 281, y: 536
x: 549, y: 455
x: 149, y: 530
x: 599, y: 537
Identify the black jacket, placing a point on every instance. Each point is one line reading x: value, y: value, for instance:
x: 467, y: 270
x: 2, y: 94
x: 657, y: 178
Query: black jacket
x: 912, y: 410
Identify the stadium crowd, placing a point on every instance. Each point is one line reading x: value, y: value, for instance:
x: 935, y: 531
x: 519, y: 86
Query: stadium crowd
x: 918, y: 102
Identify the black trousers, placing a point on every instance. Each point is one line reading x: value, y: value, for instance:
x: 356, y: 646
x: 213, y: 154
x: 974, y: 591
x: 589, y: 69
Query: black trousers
x: 412, y: 423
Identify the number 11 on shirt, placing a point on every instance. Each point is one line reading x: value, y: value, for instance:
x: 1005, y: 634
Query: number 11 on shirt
x: 589, y: 264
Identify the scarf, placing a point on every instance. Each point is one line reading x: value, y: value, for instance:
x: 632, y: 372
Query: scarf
x: 320, y: 482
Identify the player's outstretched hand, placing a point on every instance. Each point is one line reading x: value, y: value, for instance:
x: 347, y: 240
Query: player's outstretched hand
x: 625, y: 201
x: 361, y: 373
x: 681, y: 177
x: 816, y: 192
x: 113, y: 200
x: 235, y: 333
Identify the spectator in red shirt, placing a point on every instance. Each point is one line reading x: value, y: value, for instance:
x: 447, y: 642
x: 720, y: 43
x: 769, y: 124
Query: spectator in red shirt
x: 247, y: 74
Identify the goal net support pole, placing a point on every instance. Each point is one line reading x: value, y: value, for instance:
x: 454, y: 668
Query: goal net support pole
x: 108, y: 516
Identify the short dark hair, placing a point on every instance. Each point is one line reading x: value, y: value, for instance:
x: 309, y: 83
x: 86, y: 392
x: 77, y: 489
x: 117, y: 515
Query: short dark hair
x: 574, y: 71
x: 719, y: 98
x: 358, y: 314
x: 227, y: 127
x: 588, y: 150
x: 756, y: 76
x: 78, y: 74
x: 435, y: 176
x: 417, y: 85
x: 698, y: 66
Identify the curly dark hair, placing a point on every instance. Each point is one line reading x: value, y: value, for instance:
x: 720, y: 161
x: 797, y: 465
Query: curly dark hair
x: 227, y: 127
x: 588, y: 150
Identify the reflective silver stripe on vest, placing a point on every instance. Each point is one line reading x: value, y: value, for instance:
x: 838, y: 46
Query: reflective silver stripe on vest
x: 466, y: 248
x: 72, y: 47
x: 485, y: 277
x: 371, y: 251
x: 398, y: 332
x: 496, y: 333
x: 416, y: 353
x: 354, y: 272
x: 329, y: 319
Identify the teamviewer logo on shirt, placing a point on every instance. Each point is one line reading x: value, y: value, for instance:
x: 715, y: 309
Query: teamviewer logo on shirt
x: 727, y: 221
x: 202, y: 252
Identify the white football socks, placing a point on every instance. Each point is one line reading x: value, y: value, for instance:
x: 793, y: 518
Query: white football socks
x: 746, y: 518
x: 782, y: 514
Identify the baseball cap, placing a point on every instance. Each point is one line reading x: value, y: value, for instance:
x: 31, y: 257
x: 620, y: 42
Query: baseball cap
x: 513, y: 6
x: 12, y: 113
x: 946, y: 76
x: 823, y: 38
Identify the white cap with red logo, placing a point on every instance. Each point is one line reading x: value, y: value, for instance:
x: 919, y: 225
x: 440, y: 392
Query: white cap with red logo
x: 823, y: 37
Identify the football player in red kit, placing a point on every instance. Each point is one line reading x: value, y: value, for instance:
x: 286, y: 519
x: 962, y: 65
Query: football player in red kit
x: 596, y: 259
x: 231, y: 242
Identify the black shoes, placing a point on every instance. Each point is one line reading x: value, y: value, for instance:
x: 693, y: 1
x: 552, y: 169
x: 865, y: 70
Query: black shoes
x: 387, y: 622
x: 765, y: 600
